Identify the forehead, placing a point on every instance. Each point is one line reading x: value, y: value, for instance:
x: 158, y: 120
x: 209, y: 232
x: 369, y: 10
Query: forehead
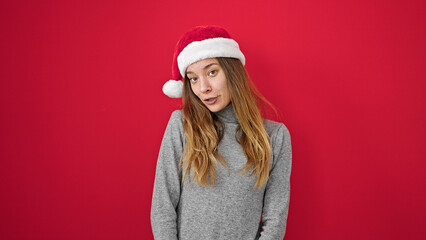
x: 199, y: 65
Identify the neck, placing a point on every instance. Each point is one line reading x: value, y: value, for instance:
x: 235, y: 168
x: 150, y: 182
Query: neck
x: 227, y: 114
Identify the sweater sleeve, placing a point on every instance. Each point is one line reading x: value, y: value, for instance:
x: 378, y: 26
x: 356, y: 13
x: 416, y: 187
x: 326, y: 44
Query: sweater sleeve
x: 277, y: 190
x: 166, y: 193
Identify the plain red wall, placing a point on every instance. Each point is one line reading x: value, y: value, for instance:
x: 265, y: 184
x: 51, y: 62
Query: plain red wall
x: 82, y: 112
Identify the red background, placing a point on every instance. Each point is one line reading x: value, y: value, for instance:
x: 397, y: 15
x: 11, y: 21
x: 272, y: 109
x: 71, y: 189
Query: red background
x: 82, y: 112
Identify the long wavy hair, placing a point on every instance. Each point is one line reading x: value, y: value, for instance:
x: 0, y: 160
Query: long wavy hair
x: 204, y: 130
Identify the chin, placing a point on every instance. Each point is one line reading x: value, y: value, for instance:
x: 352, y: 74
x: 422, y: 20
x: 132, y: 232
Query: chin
x: 215, y: 108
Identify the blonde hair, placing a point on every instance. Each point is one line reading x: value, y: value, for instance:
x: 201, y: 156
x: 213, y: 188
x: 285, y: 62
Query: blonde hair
x: 204, y: 130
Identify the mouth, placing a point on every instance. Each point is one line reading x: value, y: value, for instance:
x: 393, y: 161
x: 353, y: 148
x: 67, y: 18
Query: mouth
x: 210, y: 100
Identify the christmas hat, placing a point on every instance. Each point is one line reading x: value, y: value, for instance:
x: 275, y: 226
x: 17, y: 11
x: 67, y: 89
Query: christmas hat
x: 199, y: 43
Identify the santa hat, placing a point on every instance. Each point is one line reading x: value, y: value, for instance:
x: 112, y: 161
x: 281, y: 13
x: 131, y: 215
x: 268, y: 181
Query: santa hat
x: 199, y: 43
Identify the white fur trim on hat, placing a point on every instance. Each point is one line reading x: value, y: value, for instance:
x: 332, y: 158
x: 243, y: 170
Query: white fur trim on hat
x: 173, y: 88
x: 208, y: 48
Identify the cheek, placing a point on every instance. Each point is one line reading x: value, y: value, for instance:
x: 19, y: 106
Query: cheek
x: 222, y: 84
x: 228, y: 94
x: 194, y: 90
x: 225, y: 88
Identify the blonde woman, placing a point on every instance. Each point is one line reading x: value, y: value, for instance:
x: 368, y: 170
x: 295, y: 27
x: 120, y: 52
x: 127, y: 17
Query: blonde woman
x: 223, y: 172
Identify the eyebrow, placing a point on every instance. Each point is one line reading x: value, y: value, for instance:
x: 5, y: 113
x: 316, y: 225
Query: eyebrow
x: 205, y: 67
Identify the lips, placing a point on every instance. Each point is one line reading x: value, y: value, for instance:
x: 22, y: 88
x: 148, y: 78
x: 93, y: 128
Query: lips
x: 210, y: 100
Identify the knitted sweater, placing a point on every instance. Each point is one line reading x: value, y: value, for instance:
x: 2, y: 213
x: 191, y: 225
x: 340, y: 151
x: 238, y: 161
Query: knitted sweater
x: 232, y: 209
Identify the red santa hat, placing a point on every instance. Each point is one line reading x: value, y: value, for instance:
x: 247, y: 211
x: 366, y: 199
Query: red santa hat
x: 199, y: 43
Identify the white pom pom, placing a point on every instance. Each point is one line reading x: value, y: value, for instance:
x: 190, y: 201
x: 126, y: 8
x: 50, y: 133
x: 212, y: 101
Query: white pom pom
x: 173, y: 88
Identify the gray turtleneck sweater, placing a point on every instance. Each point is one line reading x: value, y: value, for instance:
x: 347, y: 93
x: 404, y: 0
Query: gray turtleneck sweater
x: 232, y: 209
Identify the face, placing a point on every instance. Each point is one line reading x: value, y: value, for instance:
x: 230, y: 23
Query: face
x: 209, y: 83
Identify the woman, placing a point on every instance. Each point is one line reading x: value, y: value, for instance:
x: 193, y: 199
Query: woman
x: 223, y: 172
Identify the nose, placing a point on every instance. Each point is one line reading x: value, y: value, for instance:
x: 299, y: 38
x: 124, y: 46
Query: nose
x: 204, y: 85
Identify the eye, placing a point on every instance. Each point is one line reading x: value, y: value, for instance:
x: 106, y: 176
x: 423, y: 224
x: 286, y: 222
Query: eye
x: 193, y: 79
x: 213, y: 72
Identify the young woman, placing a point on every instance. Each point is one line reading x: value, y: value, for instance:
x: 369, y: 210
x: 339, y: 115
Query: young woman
x: 223, y: 172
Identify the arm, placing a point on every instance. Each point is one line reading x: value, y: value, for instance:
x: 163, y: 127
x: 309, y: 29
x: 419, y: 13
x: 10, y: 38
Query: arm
x: 166, y: 193
x: 277, y: 191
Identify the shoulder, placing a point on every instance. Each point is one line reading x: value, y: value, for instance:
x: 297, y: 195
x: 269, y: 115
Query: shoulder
x: 176, y: 117
x: 176, y: 120
x: 174, y: 128
x: 280, y: 140
x: 177, y: 114
x: 275, y: 129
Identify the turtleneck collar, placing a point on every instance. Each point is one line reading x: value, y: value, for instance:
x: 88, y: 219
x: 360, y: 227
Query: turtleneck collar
x: 227, y: 114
